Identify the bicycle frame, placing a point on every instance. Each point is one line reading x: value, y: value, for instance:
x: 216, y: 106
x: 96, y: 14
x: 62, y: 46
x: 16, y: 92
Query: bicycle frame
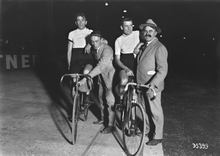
x: 75, y: 78
x: 76, y: 99
x: 138, y: 87
x: 133, y: 121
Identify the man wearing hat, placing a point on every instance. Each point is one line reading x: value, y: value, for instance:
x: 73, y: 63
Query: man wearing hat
x: 152, y: 69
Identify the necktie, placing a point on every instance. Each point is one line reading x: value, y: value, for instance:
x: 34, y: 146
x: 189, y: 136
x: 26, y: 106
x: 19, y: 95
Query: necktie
x: 95, y: 52
x: 144, y: 46
x: 142, y: 50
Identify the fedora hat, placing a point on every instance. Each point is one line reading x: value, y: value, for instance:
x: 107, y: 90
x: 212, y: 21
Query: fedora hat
x: 150, y: 23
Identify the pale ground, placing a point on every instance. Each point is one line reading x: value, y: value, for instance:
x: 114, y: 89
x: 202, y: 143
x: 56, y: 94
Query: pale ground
x: 33, y: 120
x: 32, y: 123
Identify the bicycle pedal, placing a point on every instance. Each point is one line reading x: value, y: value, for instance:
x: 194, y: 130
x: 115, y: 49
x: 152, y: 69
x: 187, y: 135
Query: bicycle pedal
x: 87, y: 104
x: 133, y: 125
x: 130, y: 132
x: 132, y: 129
x: 120, y: 107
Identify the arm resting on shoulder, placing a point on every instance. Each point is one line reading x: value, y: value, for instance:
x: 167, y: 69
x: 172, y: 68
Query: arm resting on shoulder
x: 137, y: 48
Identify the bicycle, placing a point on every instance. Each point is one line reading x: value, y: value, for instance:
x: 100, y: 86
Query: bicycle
x: 132, y: 118
x: 80, y: 106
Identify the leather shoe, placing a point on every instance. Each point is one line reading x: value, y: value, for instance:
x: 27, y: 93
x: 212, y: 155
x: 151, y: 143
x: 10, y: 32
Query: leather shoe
x: 154, y: 142
x: 139, y: 133
x: 98, y: 122
x: 108, y: 129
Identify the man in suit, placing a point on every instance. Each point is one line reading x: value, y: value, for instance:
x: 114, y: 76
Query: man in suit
x: 152, y: 69
x: 103, y: 54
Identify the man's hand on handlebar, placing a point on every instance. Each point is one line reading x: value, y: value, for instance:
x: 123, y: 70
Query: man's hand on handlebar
x: 152, y: 86
x: 82, y: 82
x: 129, y: 72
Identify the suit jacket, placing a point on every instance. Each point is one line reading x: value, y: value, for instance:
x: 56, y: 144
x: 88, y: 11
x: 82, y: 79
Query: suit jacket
x: 153, y: 58
x: 104, y: 66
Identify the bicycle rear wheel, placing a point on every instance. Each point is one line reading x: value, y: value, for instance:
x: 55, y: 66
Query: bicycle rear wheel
x: 134, y: 129
x: 75, y: 117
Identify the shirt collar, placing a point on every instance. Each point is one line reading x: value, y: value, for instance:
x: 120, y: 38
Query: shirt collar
x: 98, y: 49
x: 81, y: 29
x: 151, y: 41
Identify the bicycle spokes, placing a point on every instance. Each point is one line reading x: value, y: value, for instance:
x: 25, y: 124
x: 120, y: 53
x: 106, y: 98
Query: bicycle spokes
x: 134, y: 131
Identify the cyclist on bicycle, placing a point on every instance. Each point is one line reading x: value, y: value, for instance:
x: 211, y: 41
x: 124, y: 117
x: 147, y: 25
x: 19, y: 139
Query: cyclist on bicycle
x: 124, y: 56
x: 78, y: 46
x: 78, y: 50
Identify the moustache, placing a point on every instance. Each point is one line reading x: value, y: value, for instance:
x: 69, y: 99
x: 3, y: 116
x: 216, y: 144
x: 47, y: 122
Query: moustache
x: 147, y: 35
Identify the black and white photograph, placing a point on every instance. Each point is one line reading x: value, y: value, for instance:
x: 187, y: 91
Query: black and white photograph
x: 109, y: 78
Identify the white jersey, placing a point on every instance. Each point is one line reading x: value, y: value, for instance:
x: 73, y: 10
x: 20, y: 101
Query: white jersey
x: 78, y: 37
x: 125, y: 44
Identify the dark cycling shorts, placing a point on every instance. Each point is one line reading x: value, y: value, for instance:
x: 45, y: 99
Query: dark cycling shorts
x: 128, y: 60
x: 79, y: 59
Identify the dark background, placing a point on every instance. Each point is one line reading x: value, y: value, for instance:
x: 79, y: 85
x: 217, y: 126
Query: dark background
x: 42, y: 26
x: 191, y: 96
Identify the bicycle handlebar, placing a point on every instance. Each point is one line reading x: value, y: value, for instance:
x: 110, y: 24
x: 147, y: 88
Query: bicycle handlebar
x: 75, y: 75
x: 141, y: 86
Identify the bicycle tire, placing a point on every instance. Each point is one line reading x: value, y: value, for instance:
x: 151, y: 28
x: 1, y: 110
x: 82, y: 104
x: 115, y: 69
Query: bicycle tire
x: 75, y: 117
x: 133, y: 137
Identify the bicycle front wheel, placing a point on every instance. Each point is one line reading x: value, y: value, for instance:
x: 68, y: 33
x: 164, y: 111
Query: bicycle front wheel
x: 75, y: 117
x: 134, y: 129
